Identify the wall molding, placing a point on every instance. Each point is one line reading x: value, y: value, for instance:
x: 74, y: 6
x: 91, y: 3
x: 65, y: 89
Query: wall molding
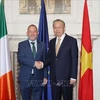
x: 23, y: 37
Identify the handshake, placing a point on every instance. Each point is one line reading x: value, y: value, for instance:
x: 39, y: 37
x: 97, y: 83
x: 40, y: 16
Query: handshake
x: 38, y: 64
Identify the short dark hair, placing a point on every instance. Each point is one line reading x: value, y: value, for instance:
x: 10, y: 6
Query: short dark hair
x: 59, y: 21
x: 31, y: 25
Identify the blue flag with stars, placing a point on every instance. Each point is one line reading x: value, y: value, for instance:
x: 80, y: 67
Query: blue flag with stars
x: 44, y: 37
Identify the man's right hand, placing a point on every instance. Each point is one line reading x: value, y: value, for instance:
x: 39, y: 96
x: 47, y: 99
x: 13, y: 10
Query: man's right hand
x: 38, y: 64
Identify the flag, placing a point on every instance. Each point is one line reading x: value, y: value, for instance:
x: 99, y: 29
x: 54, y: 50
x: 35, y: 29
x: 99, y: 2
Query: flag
x: 7, y: 91
x: 86, y: 68
x: 44, y: 37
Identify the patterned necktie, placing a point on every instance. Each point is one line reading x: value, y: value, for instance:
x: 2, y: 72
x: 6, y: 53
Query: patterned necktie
x: 57, y: 46
x: 33, y: 49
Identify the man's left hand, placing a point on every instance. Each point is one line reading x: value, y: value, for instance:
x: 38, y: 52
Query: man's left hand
x: 72, y: 81
x: 44, y: 81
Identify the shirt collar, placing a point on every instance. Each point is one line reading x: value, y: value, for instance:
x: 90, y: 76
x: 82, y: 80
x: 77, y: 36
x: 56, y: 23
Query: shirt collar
x: 62, y: 37
x: 33, y: 41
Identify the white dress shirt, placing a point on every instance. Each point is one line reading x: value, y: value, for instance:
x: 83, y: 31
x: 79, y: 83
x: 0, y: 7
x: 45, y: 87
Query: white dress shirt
x: 62, y: 38
x: 35, y: 44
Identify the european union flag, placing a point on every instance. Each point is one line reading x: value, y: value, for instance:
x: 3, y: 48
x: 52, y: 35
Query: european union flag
x: 44, y: 37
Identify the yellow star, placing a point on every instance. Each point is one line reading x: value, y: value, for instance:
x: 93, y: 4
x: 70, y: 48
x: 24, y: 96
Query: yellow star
x: 86, y: 61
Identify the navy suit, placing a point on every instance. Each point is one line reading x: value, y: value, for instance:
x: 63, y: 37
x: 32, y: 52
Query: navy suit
x: 63, y: 66
x: 26, y: 61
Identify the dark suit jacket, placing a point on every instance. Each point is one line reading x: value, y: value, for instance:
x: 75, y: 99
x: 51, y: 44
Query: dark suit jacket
x: 26, y: 61
x: 64, y: 65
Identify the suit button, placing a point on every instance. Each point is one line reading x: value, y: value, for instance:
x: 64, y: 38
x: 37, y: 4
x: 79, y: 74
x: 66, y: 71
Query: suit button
x: 56, y: 59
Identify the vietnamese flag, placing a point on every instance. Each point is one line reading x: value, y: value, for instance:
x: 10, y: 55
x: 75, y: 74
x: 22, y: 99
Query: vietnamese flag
x: 86, y: 68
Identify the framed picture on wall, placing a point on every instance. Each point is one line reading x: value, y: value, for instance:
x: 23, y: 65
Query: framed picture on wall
x: 52, y: 6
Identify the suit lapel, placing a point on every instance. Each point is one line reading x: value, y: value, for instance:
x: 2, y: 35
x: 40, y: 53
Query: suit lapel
x: 38, y: 47
x: 54, y: 46
x: 29, y: 51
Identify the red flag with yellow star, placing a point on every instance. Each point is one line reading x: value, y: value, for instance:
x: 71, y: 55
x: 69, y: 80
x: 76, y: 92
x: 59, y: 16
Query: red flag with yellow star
x: 86, y: 69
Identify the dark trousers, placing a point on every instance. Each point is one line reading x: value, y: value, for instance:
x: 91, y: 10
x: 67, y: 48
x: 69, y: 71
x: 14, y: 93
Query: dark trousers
x: 58, y: 91
x: 31, y: 90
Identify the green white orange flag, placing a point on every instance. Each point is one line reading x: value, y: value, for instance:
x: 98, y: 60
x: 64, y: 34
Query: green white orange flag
x: 7, y: 91
x: 86, y: 68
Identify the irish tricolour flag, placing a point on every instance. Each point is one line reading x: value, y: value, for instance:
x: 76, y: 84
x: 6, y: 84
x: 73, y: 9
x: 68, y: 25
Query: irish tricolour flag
x: 7, y: 91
